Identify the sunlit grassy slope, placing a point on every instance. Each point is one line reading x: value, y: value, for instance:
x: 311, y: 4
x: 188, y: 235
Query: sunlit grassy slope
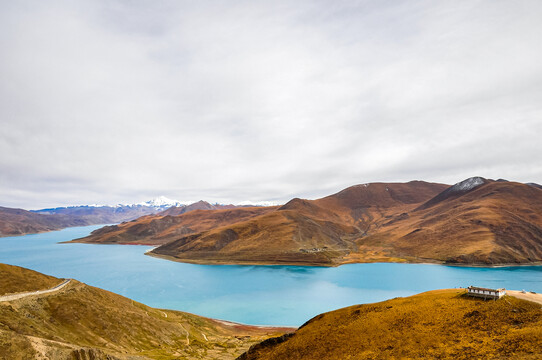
x: 442, y: 324
x: 14, y: 279
x: 81, y: 322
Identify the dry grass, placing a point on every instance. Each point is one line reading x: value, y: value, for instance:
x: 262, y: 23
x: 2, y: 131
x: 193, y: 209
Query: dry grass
x: 84, y: 317
x: 440, y: 324
x: 14, y: 279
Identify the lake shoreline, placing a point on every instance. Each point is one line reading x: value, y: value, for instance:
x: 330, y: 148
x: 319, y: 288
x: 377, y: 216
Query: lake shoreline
x: 254, y: 293
x: 271, y: 263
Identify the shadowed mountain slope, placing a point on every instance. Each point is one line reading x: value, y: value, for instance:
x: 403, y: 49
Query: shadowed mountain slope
x: 84, y: 322
x: 441, y: 324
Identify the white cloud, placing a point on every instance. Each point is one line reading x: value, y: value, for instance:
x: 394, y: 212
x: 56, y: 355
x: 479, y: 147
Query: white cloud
x: 114, y: 101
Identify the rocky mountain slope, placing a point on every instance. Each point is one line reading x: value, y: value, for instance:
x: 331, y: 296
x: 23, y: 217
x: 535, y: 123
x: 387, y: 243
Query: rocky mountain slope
x: 442, y: 324
x: 83, y: 322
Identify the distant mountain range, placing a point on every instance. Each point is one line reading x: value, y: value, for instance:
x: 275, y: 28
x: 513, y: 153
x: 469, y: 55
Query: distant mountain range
x: 20, y: 222
x: 476, y: 221
x: 157, y: 204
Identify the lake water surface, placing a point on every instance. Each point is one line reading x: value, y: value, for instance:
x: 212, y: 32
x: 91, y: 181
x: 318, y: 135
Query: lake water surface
x: 264, y: 295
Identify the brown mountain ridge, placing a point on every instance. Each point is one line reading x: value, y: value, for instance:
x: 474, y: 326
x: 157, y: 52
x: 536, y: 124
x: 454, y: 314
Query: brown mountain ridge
x: 476, y: 221
x: 161, y: 228
x: 494, y: 222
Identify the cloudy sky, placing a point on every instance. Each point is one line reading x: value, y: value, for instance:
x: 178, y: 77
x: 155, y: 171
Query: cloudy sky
x: 231, y: 101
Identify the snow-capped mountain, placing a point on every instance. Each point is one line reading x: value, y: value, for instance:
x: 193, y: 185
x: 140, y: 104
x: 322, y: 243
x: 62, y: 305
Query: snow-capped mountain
x: 468, y: 184
x: 161, y: 202
x: 258, y: 203
x: 102, y: 214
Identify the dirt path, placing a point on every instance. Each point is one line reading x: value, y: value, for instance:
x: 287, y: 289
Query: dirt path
x: 30, y: 293
x: 537, y: 298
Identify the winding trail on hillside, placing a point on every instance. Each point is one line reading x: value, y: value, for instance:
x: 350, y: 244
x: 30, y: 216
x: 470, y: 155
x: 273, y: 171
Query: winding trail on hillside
x: 11, y: 297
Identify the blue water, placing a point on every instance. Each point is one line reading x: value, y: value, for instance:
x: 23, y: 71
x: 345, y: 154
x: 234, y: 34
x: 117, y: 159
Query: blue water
x: 264, y: 295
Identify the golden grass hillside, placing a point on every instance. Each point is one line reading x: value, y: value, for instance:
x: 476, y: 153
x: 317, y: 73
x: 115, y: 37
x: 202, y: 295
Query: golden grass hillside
x: 442, y: 324
x: 81, y: 322
x: 14, y: 279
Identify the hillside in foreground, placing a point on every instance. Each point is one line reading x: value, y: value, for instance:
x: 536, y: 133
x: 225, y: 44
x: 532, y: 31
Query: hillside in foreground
x: 441, y: 324
x: 84, y: 322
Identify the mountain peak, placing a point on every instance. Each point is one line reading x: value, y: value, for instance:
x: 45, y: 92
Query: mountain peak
x: 535, y: 185
x: 161, y: 201
x: 468, y: 184
x: 456, y: 190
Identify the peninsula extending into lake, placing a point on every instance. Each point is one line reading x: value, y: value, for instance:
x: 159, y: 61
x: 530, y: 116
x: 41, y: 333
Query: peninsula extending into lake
x: 474, y: 222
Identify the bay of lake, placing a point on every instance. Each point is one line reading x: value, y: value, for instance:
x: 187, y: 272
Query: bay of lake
x: 260, y: 295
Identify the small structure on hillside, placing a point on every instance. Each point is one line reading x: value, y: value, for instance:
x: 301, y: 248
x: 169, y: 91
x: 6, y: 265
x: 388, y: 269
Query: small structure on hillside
x: 485, y: 293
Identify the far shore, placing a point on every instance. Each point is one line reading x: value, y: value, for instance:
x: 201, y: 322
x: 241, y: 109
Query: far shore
x: 379, y: 261
x: 260, y: 327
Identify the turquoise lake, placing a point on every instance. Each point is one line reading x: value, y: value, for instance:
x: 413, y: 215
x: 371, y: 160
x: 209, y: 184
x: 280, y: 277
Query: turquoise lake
x: 263, y: 295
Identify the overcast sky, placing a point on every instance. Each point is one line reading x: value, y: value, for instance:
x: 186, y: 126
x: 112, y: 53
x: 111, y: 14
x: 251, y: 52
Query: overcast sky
x: 230, y: 101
